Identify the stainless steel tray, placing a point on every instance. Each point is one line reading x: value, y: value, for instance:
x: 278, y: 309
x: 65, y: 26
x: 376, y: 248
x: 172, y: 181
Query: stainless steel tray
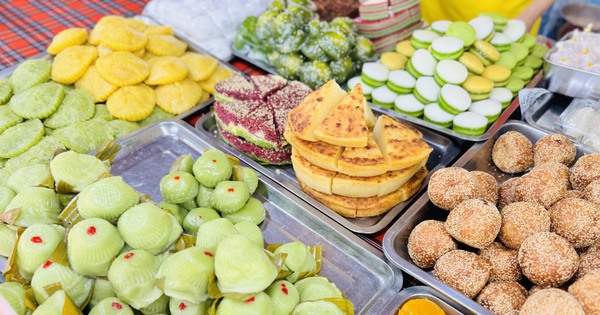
x: 570, y: 81
x: 420, y: 292
x: 444, y: 152
x: 244, y: 56
x: 488, y: 134
x: 355, y: 267
x: 396, y: 238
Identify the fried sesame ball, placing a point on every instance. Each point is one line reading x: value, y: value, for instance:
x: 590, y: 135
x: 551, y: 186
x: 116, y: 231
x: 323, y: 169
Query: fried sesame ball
x: 587, y: 291
x: 503, y: 261
x: 540, y: 187
x: 585, y: 171
x: 462, y: 270
x: 450, y: 186
x: 427, y: 242
x: 503, y: 297
x: 592, y: 192
x: 486, y: 187
x: 521, y: 220
x: 506, y: 193
x: 554, y: 148
x: 475, y: 222
x: 573, y: 194
x: 577, y: 220
x: 589, y: 260
x: 560, y: 171
x: 551, y: 301
x: 547, y: 259
x: 512, y: 153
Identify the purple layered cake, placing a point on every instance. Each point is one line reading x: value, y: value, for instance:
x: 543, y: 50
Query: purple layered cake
x: 236, y: 87
x: 277, y: 156
x: 252, y: 114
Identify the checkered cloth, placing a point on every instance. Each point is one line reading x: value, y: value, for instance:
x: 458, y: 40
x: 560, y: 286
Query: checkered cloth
x: 28, y: 26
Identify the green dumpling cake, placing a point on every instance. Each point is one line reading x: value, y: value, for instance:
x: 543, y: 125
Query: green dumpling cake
x: 14, y: 294
x: 8, y: 237
x: 212, y: 167
x: 77, y: 287
x: 317, y: 307
x: 111, y: 306
x: 39, y: 101
x: 284, y: 295
x: 148, y: 227
x: 246, y: 175
x: 258, y: 304
x: 35, y: 246
x: 103, y: 113
x: 205, y: 197
x: 160, y: 306
x: 317, y: 288
x: 211, y: 233
x: 184, y: 163
x: 57, y: 304
x: 230, y: 196
x: 42, y: 152
x: 299, y: 259
x: 186, y: 274
x: 177, y: 211
x: 189, y: 205
x: 251, y: 231
x: 76, y: 106
x: 253, y: 211
x: 30, y: 176
x: 181, y: 307
x: 37, y: 205
x: 21, y: 137
x: 6, y: 195
x: 122, y: 128
x: 241, y: 266
x: 92, y: 245
x: 107, y: 199
x: 197, y: 217
x: 76, y: 170
x: 102, y: 290
x: 84, y: 136
x: 132, y: 276
x: 178, y: 187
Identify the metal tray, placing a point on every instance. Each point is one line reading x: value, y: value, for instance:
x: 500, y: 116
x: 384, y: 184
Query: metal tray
x: 488, y: 134
x: 244, y: 56
x: 570, y: 81
x: 444, y: 152
x: 420, y: 292
x: 356, y: 268
x: 396, y: 238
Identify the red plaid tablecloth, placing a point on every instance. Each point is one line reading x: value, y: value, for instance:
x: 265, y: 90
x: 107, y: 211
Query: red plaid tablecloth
x: 27, y: 27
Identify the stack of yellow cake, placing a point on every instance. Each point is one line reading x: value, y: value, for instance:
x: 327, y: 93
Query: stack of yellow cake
x: 350, y: 161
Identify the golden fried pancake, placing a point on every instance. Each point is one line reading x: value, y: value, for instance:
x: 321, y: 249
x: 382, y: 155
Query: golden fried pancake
x: 370, y: 206
x: 366, y: 161
x: 318, y: 153
x: 351, y: 186
x: 309, y: 114
x: 400, y: 143
x: 315, y: 177
x: 345, y: 125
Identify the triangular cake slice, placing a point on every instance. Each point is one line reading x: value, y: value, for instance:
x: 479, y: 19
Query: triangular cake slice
x: 313, y: 176
x: 400, y: 143
x: 365, y: 161
x: 234, y: 88
x: 285, y: 100
x: 255, y: 124
x: 277, y: 156
x: 319, y: 153
x: 265, y: 85
x: 345, y: 125
x: 352, y: 186
x: 231, y: 113
x: 307, y: 116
